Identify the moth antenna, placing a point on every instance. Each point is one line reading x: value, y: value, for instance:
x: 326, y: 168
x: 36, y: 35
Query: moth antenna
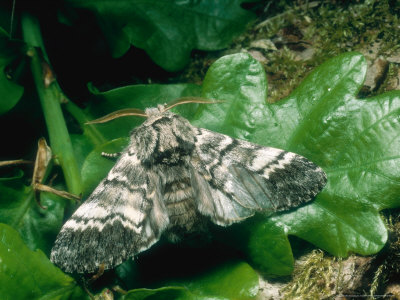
x: 185, y: 100
x: 118, y: 114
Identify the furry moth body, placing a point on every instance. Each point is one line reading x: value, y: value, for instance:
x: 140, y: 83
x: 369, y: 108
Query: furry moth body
x: 170, y: 176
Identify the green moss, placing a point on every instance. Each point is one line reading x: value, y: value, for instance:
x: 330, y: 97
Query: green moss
x: 311, y: 278
x: 389, y: 269
x: 328, y: 29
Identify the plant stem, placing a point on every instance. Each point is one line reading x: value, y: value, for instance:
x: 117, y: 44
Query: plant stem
x: 50, y: 96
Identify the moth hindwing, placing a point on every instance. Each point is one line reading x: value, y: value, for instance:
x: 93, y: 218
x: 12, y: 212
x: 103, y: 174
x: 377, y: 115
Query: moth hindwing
x: 170, y: 178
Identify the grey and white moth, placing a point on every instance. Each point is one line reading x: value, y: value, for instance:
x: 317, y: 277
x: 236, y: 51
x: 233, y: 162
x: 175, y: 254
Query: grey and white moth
x: 170, y: 177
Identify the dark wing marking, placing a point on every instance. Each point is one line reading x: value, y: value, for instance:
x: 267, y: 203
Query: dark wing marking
x: 233, y: 178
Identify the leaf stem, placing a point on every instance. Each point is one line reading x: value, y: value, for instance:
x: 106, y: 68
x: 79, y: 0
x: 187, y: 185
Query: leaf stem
x: 50, y: 96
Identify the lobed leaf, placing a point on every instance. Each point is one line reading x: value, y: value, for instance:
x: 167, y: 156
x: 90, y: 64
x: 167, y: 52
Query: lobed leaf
x: 167, y: 30
x: 354, y: 140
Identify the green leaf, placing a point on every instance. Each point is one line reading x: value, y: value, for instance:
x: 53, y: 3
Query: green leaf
x: 10, y: 92
x: 241, y: 82
x: 234, y: 280
x: 168, y: 30
x: 18, y: 208
x: 265, y: 243
x: 26, y: 274
x: 82, y: 147
x: 354, y: 140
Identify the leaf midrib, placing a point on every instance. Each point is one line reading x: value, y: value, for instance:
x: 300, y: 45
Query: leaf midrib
x: 23, y: 210
x: 305, y: 118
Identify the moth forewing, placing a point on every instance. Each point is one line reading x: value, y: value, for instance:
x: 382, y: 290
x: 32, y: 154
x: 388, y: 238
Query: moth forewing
x: 169, y: 179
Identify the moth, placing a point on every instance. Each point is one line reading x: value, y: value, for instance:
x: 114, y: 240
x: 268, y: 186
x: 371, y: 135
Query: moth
x: 169, y: 179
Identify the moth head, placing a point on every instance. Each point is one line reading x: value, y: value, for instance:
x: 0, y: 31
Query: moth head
x: 159, y: 110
